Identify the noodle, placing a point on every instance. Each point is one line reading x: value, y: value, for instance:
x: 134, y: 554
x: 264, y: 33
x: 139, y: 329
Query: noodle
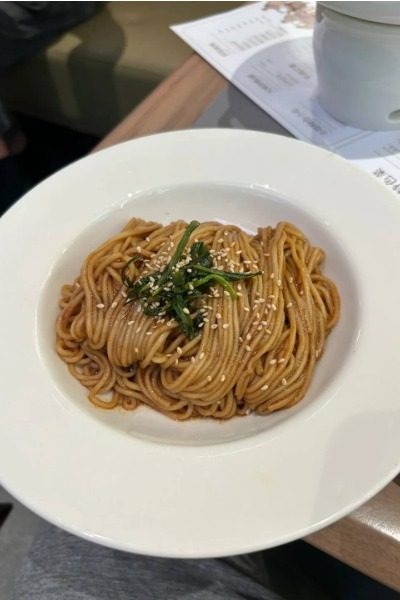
x: 256, y: 352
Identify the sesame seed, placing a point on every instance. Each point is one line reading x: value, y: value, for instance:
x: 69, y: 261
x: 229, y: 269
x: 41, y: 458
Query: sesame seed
x: 267, y: 254
x: 239, y: 287
x: 170, y: 323
x: 239, y: 294
x: 240, y: 339
x: 290, y: 279
x: 138, y: 330
x: 273, y: 306
x: 268, y: 331
x: 223, y: 377
x: 130, y: 322
x: 272, y: 361
x: 148, y: 332
x: 139, y: 308
x: 218, y: 316
x: 192, y: 359
x: 265, y: 387
x: 246, y: 308
x: 77, y: 284
x: 179, y: 350
x: 272, y: 275
x: 186, y: 311
x: 214, y: 326
x: 248, y: 348
x: 201, y: 356
x: 226, y: 232
x: 220, y: 241
x: 209, y: 378
x: 226, y: 293
x: 272, y: 296
x: 284, y: 382
x: 114, y: 304
x: 264, y: 322
x: 248, y: 336
x: 147, y: 239
x: 100, y: 305
x: 189, y: 270
x: 225, y: 326
x: 201, y: 325
x: 238, y: 252
x: 176, y: 363
x: 205, y: 320
x: 137, y: 350
x: 289, y: 305
x: 138, y: 249
x: 258, y: 315
x: 259, y: 328
x: 279, y: 282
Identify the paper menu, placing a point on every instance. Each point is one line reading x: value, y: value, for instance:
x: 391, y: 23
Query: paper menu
x: 265, y: 49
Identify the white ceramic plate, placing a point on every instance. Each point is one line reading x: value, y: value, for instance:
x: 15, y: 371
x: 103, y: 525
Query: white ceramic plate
x: 138, y: 481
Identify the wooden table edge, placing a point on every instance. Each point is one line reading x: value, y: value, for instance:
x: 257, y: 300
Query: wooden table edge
x: 175, y: 104
x: 369, y: 538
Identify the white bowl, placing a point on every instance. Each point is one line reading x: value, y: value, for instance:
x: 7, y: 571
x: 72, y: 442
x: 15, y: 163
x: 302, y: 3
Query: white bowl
x: 140, y: 482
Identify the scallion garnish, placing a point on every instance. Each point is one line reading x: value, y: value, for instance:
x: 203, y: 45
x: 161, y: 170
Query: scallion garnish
x: 174, y: 292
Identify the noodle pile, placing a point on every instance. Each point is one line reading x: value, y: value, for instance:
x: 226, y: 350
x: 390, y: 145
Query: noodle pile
x: 254, y: 353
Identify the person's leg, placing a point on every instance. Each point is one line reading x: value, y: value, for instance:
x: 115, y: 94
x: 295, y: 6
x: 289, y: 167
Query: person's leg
x: 13, y: 182
x: 26, y: 28
x: 61, y: 566
x: 5, y: 126
x: 12, y: 141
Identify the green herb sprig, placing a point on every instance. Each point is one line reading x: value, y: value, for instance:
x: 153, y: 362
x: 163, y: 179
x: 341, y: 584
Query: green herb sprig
x: 174, y: 292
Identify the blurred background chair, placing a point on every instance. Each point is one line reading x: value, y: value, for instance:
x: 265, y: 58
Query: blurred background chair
x: 93, y: 75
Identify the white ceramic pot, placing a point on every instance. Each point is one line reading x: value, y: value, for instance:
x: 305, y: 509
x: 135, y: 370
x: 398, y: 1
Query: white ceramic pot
x: 358, y: 62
